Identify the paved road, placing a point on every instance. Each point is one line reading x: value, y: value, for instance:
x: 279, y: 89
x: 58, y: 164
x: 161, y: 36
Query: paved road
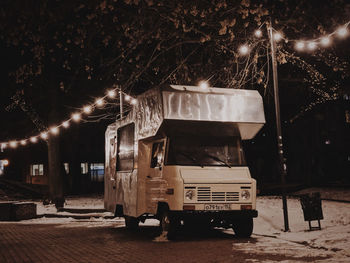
x: 105, y: 243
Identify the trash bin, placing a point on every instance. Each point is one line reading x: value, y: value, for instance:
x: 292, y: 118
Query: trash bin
x: 312, y: 208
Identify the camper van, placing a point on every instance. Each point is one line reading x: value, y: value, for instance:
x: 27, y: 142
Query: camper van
x: 177, y: 156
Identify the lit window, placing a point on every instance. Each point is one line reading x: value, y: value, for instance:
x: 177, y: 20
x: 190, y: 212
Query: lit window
x: 97, y: 171
x: 36, y: 169
x: 66, y: 167
x: 84, y: 168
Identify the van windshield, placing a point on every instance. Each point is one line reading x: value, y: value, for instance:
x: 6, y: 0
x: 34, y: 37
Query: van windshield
x: 205, y: 151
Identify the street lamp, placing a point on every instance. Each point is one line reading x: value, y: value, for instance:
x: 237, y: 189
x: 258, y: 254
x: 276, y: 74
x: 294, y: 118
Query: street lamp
x: 282, y: 163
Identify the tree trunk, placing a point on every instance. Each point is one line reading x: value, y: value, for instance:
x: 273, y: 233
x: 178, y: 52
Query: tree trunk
x: 55, y: 172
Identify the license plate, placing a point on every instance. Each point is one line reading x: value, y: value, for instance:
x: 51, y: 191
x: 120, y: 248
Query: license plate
x: 215, y: 207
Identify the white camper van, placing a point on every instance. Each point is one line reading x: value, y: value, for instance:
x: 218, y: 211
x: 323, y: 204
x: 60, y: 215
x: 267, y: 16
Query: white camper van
x: 177, y: 157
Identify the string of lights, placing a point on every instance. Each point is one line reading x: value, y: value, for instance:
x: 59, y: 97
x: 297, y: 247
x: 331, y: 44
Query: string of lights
x: 300, y: 44
x: 75, y: 117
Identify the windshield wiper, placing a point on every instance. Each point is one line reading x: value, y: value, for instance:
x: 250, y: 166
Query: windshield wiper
x: 193, y: 159
x: 218, y: 159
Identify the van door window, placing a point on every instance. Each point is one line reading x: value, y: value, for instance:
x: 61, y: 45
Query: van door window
x: 157, y: 154
x: 125, y: 150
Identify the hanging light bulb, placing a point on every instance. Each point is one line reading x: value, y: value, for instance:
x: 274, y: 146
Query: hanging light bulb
x: 13, y: 144
x: 325, y: 41
x: 99, y: 102
x: 23, y: 142
x: 203, y: 84
x: 133, y: 101
x: 258, y: 33
x: 33, y: 139
x: 311, y: 46
x: 127, y: 97
x: 342, y: 32
x: 300, y: 45
x: 111, y: 94
x: 65, y: 124
x: 244, y: 49
x: 277, y: 36
x: 3, y: 145
x: 87, y: 109
x: 54, y: 130
x: 76, y: 116
x: 44, y: 135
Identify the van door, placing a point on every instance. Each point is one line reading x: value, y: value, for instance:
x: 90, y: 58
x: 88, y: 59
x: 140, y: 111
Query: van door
x: 155, y: 185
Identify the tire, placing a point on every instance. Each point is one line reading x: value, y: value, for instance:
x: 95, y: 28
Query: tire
x: 131, y: 223
x: 243, y: 228
x: 168, y: 225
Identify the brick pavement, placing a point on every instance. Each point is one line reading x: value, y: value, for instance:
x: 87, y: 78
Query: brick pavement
x: 62, y: 243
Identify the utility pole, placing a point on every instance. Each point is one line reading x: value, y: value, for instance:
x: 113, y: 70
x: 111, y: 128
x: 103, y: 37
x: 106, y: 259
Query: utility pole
x: 282, y: 163
x: 121, y: 103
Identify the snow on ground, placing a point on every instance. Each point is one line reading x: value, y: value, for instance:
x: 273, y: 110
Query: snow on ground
x: 332, y: 241
x: 330, y: 244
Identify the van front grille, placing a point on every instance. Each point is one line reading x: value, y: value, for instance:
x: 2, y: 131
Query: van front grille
x: 205, y: 194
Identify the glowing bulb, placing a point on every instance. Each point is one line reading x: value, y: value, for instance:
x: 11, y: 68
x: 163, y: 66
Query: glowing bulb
x: 244, y: 50
x: 76, y: 116
x: 258, y: 33
x: 111, y: 94
x: 127, y: 97
x: 325, y: 41
x: 133, y: 101
x: 54, y: 130
x: 44, y: 135
x: 277, y: 36
x: 13, y: 144
x: 99, y: 102
x: 33, y: 139
x: 203, y: 85
x: 23, y: 142
x: 5, y: 162
x: 311, y: 45
x: 65, y: 124
x: 3, y: 145
x: 300, y: 45
x: 342, y: 32
x: 87, y: 109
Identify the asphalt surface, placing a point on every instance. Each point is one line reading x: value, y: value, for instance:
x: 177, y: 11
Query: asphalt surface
x: 78, y: 243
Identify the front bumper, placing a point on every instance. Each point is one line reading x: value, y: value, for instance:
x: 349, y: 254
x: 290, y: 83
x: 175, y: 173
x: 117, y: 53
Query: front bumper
x: 227, y: 215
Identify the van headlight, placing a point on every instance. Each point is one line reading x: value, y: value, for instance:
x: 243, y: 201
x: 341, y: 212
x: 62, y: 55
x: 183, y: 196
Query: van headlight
x: 245, y: 194
x: 189, y: 194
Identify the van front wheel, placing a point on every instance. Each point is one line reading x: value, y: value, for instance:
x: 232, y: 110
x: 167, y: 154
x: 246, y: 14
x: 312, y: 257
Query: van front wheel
x: 243, y: 227
x: 168, y: 225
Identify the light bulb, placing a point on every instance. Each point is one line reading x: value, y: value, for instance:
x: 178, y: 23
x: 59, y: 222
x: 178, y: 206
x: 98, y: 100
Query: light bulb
x: 127, y: 97
x: 277, y: 36
x: 99, y: 102
x: 258, y: 33
x: 325, y: 41
x: 342, y: 32
x: 87, y: 109
x: 111, y: 94
x: 300, y: 45
x: 133, y: 101
x: 65, y: 124
x: 76, y: 116
x: 203, y: 85
x: 44, y: 135
x: 54, y: 130
x: 13, y: 144
x: 33, y: 139
x: 244, y: 50
x: 311, y: 45
x: 23, y: 142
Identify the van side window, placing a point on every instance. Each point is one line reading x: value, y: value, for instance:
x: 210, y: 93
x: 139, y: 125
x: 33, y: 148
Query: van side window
x: 125, y: 150
x: 157, y: 154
